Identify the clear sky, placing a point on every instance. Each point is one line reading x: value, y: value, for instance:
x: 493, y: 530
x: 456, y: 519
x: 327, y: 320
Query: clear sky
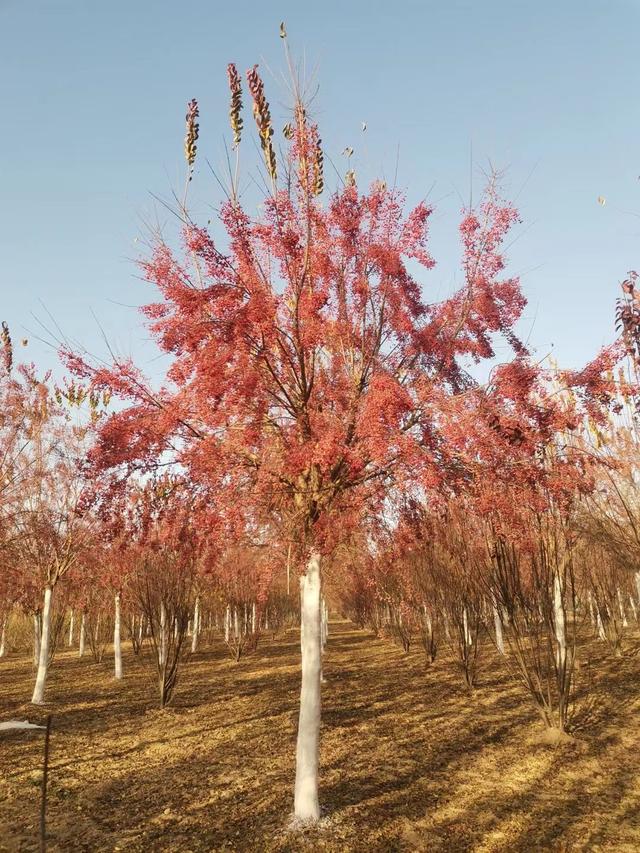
x: 93, y: 95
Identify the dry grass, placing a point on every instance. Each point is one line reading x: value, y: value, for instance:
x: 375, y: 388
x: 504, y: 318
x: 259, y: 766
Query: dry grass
x: 410, y: 760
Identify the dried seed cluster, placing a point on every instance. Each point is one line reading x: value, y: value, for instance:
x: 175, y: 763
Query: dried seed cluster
x: 262, y: 116
x: 236, y: 103
x: 193, y: 129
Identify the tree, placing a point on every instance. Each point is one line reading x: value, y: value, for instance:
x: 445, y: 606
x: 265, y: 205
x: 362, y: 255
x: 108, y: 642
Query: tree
x: 309, y: 376
x: 41, y: 485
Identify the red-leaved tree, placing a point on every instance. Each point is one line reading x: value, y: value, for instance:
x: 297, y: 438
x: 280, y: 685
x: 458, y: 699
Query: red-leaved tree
x: 310, y: 374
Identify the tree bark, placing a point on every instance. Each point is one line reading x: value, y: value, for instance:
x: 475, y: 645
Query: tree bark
x: 306, y: 805
x: 70, y: 640
x: 117, y: 647
x: 43, y: 658
x: 3, y: 636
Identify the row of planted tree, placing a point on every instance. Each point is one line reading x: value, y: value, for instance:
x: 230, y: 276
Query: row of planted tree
x: 322, y: 418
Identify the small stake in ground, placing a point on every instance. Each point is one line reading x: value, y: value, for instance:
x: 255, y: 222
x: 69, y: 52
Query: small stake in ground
x: 43, y: 802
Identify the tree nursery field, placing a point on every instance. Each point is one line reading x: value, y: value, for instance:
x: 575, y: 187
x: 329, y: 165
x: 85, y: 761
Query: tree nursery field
x: 353, y: 568
x: 410, y: 758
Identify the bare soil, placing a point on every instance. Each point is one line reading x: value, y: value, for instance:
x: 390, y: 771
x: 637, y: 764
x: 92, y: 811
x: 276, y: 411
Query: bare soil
x: 411, y: 761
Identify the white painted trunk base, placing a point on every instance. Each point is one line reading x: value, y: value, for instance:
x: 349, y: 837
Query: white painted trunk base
x: 559, y: 623
x: 623, y: 615
x: 82, y: 636
x: 163, y: 635
x: 196, y: 626
x: 43, y: 659
x: 36, y: 638
x: 306, y: 805
x: 117, y: 647
x: 497, y: 623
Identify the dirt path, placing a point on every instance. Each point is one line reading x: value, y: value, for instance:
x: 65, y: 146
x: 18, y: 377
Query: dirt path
x: 410, y: 761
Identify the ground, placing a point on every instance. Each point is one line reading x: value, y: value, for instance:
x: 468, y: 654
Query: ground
x: 410, y: 760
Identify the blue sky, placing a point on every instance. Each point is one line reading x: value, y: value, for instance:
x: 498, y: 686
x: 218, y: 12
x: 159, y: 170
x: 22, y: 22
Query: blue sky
x: 93, y: 97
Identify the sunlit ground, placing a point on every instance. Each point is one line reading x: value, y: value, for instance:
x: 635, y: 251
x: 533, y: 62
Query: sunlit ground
x: 410, y: 760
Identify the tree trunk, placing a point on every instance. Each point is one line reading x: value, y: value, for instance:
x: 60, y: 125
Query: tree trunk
x: 445, y: 620
x: 324, y: 623
x: 36, y: 638
x: 117, y: 648
x: 559, y: 623
x: 623, y: 615
x: 467, y: 633
x: 3, y: 636
x: 196, y: 625
x: 163, y: 637
x: 637, y: 577
x: 70, y: 640
x: 82, y: 636
x: 497, y: 623
x: 600, y: 627
x: 43, y: 659
x: 592, y: 614
x: 306, y: 806
x: 227, y: 621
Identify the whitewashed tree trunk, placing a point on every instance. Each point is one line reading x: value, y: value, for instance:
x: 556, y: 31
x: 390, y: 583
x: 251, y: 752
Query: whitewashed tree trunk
x: 497, y: 624
x: 70, y: 640
x: 36, y: 638
x: 600, y: 627
x: 324, y: 624
x: 236, y: 624
x: 43, y: 659
x: 82, y: 636
x: 141, y: 630
x: 117, y: 647
x: 227, y: 623
x: 3, y: 635
x: 623, y: 615
x: 253, y: 618
x: 637, y: 577
x: 306, y: 805
x: 465, y: 623
x: 592, y: 614
x: 163, y: 635
x: 196, y: 625
x: 632, y: 605
x: 559, y: 623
